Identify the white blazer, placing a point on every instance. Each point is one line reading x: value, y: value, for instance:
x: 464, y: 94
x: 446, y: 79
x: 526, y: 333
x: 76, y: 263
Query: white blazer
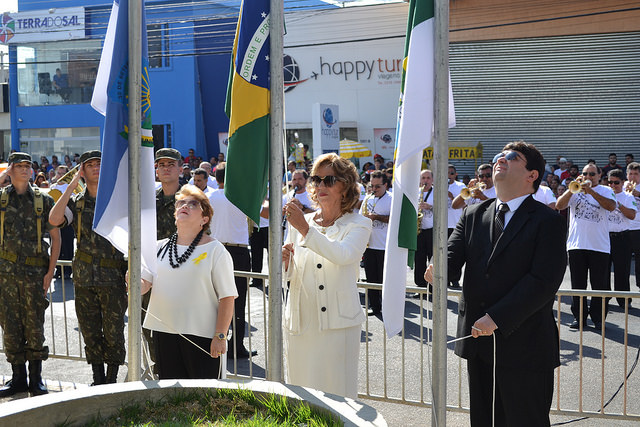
x: 335, y: 259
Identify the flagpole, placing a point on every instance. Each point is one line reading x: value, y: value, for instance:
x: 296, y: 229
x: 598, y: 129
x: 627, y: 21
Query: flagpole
x: 135, y: 138
x: 441, y: 157
x: 274, y: 340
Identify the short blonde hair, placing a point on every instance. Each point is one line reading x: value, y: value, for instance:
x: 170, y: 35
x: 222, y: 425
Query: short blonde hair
x: 348, y: 175
x: 189, y: 190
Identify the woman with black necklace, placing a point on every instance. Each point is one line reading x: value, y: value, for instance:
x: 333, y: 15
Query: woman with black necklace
x: 192, y: 296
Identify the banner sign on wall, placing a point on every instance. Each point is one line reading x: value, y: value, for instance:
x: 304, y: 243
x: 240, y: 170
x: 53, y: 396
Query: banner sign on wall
x: 42, y: 25
x: 459, y: 153
x: 326, y: 129
x: 384, y: 142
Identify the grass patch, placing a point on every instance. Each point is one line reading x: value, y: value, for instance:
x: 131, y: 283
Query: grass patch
x: 218, y: 407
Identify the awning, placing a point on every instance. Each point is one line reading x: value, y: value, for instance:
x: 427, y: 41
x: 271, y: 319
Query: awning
x: 349, y: 149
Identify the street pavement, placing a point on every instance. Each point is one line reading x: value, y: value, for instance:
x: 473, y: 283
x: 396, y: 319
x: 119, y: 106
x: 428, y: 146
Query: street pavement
x: 63, y: 374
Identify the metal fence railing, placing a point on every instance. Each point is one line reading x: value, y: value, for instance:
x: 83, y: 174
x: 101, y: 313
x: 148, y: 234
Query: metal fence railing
x: 597, y: 377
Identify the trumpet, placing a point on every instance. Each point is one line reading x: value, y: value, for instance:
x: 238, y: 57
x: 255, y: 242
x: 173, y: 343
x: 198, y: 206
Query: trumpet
x: 66, y: 179
x: 577, y: 187
x: 466, y: 192
x: 629, y: 187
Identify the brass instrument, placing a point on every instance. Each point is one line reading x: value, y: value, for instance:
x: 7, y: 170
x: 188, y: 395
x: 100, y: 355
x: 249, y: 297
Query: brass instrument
x: 629, y: 187
x: 365, y: 209
x: 466, y: 192
x: 577, y: 187
x: 66, y: 179
x: 420, y: 213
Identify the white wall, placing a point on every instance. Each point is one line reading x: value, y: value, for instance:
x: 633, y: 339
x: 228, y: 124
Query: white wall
x: 350, y: 57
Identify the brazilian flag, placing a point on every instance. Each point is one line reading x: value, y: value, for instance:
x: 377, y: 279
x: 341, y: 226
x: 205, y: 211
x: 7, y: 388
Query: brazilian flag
x: 247, y: 107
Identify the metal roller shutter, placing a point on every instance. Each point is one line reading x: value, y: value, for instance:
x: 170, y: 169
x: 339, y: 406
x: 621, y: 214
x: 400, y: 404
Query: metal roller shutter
x: 576, y: 96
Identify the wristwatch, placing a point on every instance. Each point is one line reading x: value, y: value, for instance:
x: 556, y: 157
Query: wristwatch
x: 221, y: 336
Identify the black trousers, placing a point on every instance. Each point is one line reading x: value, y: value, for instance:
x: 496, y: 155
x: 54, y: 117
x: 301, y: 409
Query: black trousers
x: 241, y: 262
x: 374, y: 270
x: 259, y: 241
x: 620, y: 259
x: 634, y: 236
x: 581, y: 262
x: 178, y: 358
x: 523, y: 398
x: 424, y: 252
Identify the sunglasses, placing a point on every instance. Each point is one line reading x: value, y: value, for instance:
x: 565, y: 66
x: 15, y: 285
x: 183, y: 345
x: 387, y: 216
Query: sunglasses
x: 484, y: 175
x: 452, y: 173
x: 615, y: 182
x: 589, y: 173
x: 191, y: 204
x: 328, y: 180
x: 508, y: 155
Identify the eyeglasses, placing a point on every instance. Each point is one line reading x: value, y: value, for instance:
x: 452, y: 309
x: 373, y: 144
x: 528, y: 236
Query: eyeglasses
x: 484, y: 175
x: 615, y: 182
x: 589, y: 173
x: 452, y: 173
x: 508, y: 155
x: 191, y: 204
x: 328, y: 180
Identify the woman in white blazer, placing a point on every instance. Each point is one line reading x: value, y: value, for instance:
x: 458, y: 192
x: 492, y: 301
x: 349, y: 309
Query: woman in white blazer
x: 322, y: 254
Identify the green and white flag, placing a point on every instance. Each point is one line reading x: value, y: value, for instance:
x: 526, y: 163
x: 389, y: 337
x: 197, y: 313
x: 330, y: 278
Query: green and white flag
x: 414, y: 134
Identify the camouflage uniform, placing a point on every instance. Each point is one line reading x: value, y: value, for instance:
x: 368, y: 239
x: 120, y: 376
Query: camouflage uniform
x: 22, y: 269
x: 165, y: 209
x: 100, y: 291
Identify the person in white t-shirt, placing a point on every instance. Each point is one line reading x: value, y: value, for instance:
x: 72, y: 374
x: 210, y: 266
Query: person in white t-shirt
x: 200, y: 180
x: 632, y: 186
x: 619, y: 223
x: 211, y: 182
x: 484, y: 176
x: 229, y: 225
x: 376, y: 207
x: 424, y: 244
x: 453, y: 215
x: 545, y: 195
x: 588, y: 241
x: 299, y: 193
x: 192, y: 295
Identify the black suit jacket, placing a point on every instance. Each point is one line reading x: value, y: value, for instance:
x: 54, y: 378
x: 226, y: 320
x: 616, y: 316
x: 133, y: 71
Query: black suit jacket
x: 515, y: 283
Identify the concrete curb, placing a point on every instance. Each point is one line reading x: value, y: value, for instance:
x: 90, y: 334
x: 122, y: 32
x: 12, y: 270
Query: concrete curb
x: 82, y: 404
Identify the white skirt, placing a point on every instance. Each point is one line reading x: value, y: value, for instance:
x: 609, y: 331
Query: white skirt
x: 324, y: 360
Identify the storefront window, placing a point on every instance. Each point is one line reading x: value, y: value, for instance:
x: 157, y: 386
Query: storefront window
x: 59, y: 141
x: 57, y: 72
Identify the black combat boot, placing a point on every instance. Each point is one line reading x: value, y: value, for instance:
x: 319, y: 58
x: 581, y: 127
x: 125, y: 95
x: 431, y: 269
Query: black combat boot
x: 98, y: 374
x: 36, y: 386
x: 112, y: 374
x: 17, y: 383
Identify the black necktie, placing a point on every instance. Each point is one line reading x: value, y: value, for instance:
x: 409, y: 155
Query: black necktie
x: 498, y: 226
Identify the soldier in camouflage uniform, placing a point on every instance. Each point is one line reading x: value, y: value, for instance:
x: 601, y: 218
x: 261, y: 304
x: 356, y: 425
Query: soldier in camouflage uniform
x: 26, y: 271
x: 98, y: 275
x: 168, y: 162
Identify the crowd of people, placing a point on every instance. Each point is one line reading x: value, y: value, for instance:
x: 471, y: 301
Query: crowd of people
x: 336, y: 219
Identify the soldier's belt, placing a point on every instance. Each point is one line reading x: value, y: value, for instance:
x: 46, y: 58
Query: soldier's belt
x: 103, y: 262
x: 31, y: 261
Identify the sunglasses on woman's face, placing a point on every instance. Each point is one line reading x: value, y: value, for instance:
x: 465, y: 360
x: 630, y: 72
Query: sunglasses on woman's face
x: 191, y: 204
x: 328, y: 180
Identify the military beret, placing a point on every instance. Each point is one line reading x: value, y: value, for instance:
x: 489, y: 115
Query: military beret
x: 18, y: 157
x: 168, y: 153
x: 90, y: 155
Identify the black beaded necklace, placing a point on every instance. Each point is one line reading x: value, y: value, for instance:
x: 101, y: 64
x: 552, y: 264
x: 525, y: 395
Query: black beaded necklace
x: 173, y: 249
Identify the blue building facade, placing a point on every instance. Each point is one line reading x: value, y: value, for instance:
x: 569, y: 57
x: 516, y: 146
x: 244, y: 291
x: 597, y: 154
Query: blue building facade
x: 51, y: 81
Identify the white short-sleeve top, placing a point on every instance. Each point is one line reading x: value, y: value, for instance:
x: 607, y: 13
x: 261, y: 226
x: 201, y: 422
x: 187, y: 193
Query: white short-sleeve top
x: 185, y: 299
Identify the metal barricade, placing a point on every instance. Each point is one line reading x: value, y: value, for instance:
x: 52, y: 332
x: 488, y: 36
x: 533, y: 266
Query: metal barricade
x: 595, y: 378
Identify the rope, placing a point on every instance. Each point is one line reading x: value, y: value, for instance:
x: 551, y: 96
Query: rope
x: 188, y: 340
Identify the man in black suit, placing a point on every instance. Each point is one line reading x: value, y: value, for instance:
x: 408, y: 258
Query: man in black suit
x: 510, y: 281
